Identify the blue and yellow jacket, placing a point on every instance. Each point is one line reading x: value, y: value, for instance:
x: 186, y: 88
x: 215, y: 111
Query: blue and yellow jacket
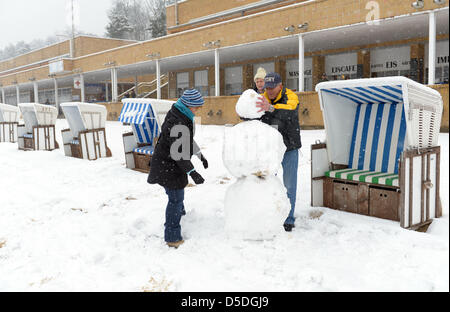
x: 285, y: 117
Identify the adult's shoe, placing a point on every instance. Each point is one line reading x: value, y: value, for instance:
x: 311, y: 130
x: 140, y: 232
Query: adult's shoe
x: 175, y: 244
x: 288, y: 227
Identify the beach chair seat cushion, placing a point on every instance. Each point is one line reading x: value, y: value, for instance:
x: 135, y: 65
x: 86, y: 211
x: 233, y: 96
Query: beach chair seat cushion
x: 147, y: 150
x: 367, y: 176
x: 28, y: 135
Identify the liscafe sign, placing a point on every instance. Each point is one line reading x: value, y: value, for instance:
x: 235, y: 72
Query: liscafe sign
x: 344, y: 69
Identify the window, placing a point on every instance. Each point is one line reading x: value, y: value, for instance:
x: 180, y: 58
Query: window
x: 441, y: 63
x: 392, y: 61
x: 182, y: 83
x: 233, y: 80
x: 440, y: 75
x: 65, y: 95
x: 341, y: 66
x: 11, y: 99
x: 47, y: 95
x: 292, y: 74
x: 201, y: 81
x: 25, y: 97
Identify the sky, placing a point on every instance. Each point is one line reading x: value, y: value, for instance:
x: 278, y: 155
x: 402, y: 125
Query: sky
x: 32, y: 19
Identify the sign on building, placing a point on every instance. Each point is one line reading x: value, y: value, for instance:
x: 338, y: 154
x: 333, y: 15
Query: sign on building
x: 393, y: 61
x: 441, y: 62
x: 292, y: 74
x: 345, y: 64
x: 77, y: 83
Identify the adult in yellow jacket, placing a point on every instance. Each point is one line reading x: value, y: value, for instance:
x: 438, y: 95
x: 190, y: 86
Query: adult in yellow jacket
x: 281, y: 111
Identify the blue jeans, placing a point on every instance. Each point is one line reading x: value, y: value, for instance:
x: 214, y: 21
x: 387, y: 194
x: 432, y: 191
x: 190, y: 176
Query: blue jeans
x: 174, y: 211
x: 290, y: 167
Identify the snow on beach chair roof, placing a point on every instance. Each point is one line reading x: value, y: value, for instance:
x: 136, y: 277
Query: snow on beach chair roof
x: 35, y: 114
x: 136, y: 110
x: 378, y: 90
x: 146, y: 117
x: 84, y: 116
x: 371, y: 110
x: 9, y: 113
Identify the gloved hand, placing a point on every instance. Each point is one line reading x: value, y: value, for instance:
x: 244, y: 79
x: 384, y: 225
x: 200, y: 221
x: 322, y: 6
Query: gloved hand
x: 204, y: 161
x: 198, y: 179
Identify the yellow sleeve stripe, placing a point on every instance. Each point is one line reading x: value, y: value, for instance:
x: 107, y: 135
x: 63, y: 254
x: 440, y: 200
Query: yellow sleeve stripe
x: 292, y: 101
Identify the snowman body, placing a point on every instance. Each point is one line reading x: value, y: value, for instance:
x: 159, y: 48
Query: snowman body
x: 256, y: 205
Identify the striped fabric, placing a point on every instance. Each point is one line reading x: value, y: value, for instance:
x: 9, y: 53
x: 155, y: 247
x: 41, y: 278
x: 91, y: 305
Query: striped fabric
x: 379, y: 130
x: 370, y: 94
x: 142, y: 119
x: 192, y: 97
x: 28, y: 135
x: 373, y: 177
x: 378, y: 138
x: 148, y: 150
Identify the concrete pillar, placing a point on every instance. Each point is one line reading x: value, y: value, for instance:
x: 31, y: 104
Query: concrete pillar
x: 432, y: 48
x: 158, y: 80
x: 136, y: 83
x: 83, y: 94
x: 18, y: 93
x: 114, y: 87
x: 217, y: 71
x: 301, y: 64
x: 106, y: 92
x: 36, y: 92
x: 55, y: 82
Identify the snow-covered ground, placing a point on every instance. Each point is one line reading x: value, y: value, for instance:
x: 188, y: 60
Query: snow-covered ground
x: 73, y: 225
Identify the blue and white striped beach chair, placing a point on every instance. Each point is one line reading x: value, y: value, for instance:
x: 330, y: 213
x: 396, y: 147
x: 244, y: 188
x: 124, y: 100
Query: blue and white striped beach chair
x: 145, y: 116
x: 381, y: 156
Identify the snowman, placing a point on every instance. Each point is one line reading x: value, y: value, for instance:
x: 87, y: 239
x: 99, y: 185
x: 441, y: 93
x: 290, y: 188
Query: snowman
x: 256, y: 205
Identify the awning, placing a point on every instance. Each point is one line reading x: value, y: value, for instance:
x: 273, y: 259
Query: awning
x: 136, y: 113
x: 370, y: 94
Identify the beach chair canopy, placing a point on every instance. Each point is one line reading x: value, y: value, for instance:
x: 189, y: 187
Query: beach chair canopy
x: 370, y: 122
x: 9, y: 113
x: 35, y: 114
x: 145, y: 116
x: 84, y: 116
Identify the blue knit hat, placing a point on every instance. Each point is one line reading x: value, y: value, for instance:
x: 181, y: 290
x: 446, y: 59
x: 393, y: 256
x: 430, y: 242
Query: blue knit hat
x: 192, y: 97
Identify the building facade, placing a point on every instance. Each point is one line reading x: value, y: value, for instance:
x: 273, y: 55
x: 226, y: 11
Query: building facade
x: 216, y: 46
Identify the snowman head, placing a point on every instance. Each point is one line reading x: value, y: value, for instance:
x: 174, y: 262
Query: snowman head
x: 246, y: 105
